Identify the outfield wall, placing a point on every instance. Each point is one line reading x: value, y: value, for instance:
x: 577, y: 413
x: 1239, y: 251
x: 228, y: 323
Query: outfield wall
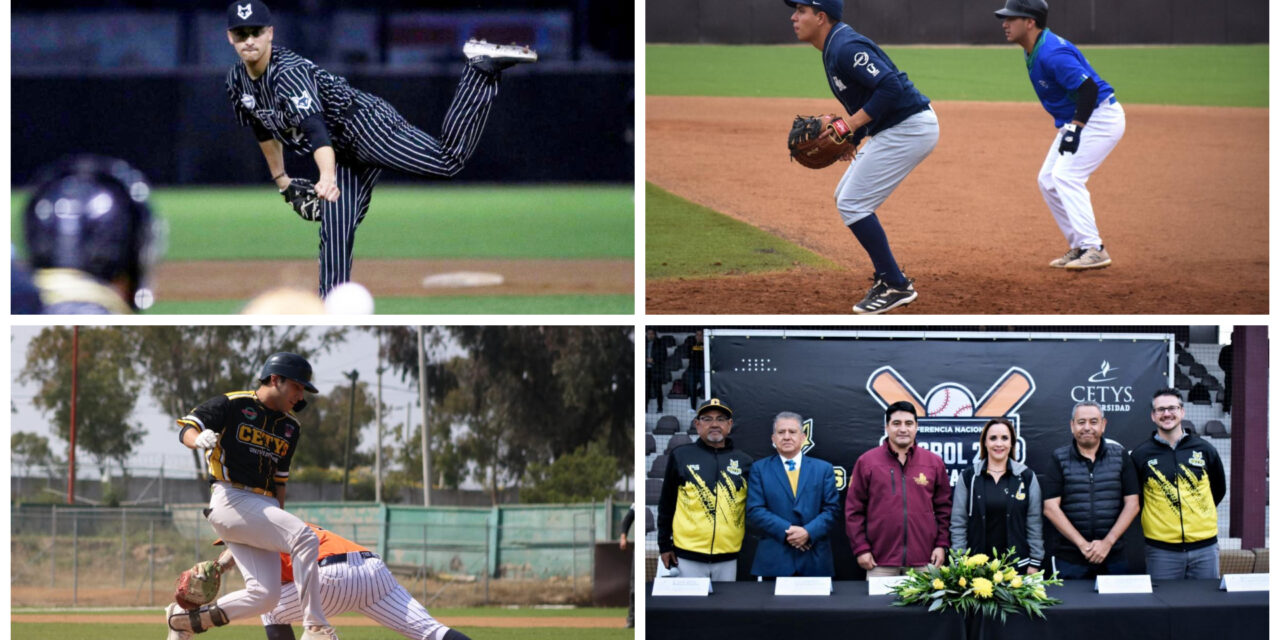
x: 179, y: 128
x: 965, y: 21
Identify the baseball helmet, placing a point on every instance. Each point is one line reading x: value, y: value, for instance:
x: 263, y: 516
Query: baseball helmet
x: 288, y: 365
x: 90, y: 213
x: 1038, y: 9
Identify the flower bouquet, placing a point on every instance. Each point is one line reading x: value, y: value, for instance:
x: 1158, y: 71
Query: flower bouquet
x: 972, y: 584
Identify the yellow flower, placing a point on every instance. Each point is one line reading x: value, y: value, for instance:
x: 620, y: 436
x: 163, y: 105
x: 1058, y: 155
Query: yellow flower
x: 962, y: 582
x: 982, y: 587
x: 974, y: 561
x: 938, y: 584
x: 995, y: 565
x: 946, y: 570
x: 997, y: 577
x: 1039, y: 593
x: 1016, y: 582
x: 1009, y: 573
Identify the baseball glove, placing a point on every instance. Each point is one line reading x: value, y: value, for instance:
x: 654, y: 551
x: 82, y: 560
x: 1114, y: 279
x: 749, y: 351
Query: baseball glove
x: 818, y: 141
x: 301, y: 195
x: 198, y: 585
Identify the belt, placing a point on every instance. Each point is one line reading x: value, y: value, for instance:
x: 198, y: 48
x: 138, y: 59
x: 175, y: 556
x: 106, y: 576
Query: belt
x: 342, y: 557
x: 257, y: 490
x: 1111, y: 100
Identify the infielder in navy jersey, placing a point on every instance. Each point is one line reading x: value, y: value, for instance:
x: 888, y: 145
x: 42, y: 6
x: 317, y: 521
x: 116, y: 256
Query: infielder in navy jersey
x: 1076, y: 96
x: 353, y: 136
x: 902, y: 129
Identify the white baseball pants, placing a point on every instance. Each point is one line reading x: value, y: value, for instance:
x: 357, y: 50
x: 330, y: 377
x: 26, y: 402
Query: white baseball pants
x: 257, y: 531
x: 1063, y: 177
x: 364, y: 585
x: 883, y: 163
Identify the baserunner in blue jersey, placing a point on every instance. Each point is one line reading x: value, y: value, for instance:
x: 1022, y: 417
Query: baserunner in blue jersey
x: 1076, y: 96
x: 901, y: 130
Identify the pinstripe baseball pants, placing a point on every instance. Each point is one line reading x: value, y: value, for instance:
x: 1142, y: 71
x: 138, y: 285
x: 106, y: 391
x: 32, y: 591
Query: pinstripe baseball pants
x: 364, y: 585
x: 383, y: 139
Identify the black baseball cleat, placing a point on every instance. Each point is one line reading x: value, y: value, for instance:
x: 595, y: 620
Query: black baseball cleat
x: 882, y: 297
x: 493, y: 58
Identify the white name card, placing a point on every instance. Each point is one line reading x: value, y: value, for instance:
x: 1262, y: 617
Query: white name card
x: 1123, y: 584
x: 883, y: 585
x: 1245, y: 582
x: 681, y: 586
x: 794, y: 586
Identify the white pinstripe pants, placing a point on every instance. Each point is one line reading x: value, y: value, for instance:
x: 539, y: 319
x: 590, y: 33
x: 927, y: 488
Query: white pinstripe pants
x: 364, y: 585
x: 391, y: 142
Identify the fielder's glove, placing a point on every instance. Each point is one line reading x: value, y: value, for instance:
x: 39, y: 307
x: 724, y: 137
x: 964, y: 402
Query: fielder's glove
x: 301, y: 195
x: 818, y: 141
x: 1070, y: 139
x: 198, y: 585
x: 207, y: 439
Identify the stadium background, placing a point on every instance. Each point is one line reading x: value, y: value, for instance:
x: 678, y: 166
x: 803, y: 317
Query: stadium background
x: 1243, y: 528
x: 144, y: 81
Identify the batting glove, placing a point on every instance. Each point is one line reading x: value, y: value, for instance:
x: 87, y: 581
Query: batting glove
x: 1070, y: 139
x: 207, y: 439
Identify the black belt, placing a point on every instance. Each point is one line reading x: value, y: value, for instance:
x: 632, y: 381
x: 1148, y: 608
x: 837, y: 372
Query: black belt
x: 342, y: 557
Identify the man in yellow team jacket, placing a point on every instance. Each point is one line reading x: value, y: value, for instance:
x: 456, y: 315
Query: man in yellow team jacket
x: 702, y: 510
x: 1182, y: 483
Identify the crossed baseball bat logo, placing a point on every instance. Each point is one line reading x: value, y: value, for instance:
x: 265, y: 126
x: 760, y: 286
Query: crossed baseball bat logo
x: 1008, y: 393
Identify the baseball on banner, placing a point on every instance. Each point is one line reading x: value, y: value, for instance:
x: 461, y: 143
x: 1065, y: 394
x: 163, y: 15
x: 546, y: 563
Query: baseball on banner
x: 949, y: 401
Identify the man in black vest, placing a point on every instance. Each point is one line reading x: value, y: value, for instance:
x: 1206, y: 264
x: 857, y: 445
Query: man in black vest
x: 1091, y: 496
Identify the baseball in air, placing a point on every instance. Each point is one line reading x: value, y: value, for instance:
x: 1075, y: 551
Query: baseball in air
x: 949, y: 401
x: 349, y: 298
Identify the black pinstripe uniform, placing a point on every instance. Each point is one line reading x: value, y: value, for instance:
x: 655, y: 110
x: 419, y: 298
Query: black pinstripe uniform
x: 367, y: 134
x: 255, y: 444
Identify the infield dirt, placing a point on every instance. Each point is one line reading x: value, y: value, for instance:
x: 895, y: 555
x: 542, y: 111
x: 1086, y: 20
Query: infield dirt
x: 1181, y: 204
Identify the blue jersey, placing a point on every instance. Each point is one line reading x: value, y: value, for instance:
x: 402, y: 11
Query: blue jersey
x: 862, y: 77
x: 1057, y: 69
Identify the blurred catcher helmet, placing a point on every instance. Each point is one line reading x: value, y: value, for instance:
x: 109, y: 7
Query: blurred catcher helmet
x: 90, y: 213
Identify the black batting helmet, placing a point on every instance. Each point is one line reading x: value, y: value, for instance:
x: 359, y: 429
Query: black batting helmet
x: 90, y: 213
x: 1038, y: 9
x: 288, y: 365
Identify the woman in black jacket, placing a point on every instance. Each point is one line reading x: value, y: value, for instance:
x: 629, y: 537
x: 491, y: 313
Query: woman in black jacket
x: 996, y: 504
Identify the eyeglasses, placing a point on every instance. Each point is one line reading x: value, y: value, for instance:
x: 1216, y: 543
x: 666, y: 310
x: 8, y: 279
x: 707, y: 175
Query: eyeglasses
x: 710, y: 419
x: 1173, y: 409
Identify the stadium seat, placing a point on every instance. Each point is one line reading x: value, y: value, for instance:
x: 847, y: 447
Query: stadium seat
x: 1189, y: 427
x: 666, y: 426
x: 1198, y: 370
x: 1182, y: 381
x: 674, y: 363
x: 1199, y: 394
x: 668, y: 341
x: 677, y: 390
x: 1185, y: 359
x: 1235, y: 561
x: 652, y: 490
x: 693, y: 428
x: 1211, y: 383
x: 650, y: 445
x: 651, y: 520
x: 659, y: 467
x: 677, y: 440
x: 1261, y: 560
x: 1215, y: 429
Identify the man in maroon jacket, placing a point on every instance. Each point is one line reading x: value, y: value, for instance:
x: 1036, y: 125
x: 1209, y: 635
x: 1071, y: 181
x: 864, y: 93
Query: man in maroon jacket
x: 898, y: 507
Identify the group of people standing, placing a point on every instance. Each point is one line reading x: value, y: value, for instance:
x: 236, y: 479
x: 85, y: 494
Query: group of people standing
x: 901, y: 511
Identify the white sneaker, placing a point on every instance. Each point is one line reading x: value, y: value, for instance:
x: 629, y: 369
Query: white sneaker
x: 174, y: 634
x: 496, y: 57
x: 320, y: 633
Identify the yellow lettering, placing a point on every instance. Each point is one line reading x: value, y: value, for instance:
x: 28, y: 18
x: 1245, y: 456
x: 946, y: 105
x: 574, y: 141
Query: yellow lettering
x: 245, y: 434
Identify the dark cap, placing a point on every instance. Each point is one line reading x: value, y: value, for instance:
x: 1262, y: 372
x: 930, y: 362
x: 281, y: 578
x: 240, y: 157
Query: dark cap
x: 249, y: 13
x: 833, y: 8
x: 714, y: 403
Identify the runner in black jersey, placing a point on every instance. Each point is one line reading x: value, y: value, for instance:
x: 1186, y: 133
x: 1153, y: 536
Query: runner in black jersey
x: 249, y: 438
x: 353, y: 136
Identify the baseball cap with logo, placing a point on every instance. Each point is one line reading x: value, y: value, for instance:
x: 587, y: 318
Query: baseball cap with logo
x: 249, y: 13
x: 833, y: 8
x: 715, y: 403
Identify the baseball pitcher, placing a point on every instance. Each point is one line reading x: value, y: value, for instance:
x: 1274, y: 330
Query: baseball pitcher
x: 353, y: 136
x: 1076, y: 96
x: 884, y: 106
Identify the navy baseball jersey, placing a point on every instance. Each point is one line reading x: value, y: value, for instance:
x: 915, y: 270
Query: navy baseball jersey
x: 1057, y: 69
x: 862, y: 77
x: 255, y: 444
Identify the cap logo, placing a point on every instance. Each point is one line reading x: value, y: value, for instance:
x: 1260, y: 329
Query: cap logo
x: 244, y: 11
x: 302, y: 101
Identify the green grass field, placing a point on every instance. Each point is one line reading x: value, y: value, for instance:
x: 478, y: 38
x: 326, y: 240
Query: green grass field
x: 440, y: 221
x: 674, y: 221
x: 95, y: 631
x: 1217, y: 76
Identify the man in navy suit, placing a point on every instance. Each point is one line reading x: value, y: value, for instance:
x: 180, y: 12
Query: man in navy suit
x: 791, y: 504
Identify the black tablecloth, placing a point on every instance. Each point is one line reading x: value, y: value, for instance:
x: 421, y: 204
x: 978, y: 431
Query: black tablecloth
x: 1178, y: 609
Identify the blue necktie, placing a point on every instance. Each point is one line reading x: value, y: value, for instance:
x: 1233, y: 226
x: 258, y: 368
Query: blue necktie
x: 791, y: 465
x: 793, y: 476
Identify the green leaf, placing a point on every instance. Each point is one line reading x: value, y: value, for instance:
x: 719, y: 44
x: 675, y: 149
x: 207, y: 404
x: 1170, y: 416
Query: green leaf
x: 937, y: 604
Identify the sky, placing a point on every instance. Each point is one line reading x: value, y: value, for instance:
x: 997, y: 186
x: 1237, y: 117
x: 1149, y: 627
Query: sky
x: 160, y: 445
